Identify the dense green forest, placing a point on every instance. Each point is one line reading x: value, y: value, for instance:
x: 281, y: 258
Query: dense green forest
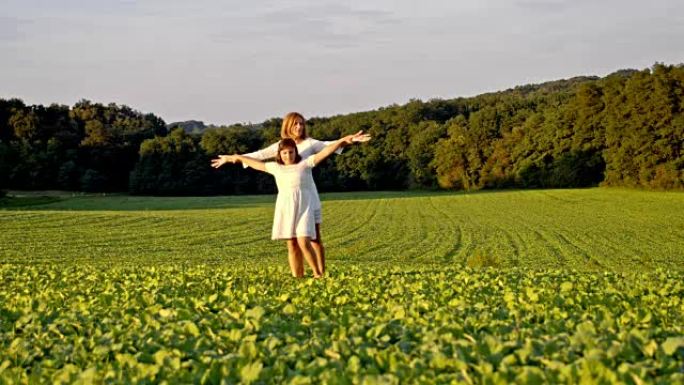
x: 625, y: 129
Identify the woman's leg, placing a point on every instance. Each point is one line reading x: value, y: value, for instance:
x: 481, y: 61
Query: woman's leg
x: 309, y: 254
x: 294, y: 256
x: 319, y: 250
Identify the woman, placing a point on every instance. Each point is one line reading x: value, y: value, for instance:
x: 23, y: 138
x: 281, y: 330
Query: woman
x: 293, y: 219
x: 294, y: 127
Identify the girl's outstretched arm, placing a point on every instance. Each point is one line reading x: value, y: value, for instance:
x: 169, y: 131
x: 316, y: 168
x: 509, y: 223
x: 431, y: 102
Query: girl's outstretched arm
x: 319, y: 145
x: 251, y: 162
x: 264, y: 154
x: 329, y: 149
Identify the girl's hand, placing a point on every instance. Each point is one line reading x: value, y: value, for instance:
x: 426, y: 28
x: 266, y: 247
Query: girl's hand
x: 360, y: 137
x: 223, y: 159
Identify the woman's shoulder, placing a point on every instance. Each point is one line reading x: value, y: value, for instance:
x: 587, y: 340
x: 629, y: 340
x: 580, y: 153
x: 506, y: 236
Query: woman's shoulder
x: 310, y: 141
x: 310, y: 146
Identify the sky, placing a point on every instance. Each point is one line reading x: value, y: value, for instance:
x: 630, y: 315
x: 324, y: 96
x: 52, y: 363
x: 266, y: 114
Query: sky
x: 225, y: 62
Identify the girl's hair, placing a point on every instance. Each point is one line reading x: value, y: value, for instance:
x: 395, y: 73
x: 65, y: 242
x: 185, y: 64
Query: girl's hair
x: 289, y: 122
x: 287, y: 143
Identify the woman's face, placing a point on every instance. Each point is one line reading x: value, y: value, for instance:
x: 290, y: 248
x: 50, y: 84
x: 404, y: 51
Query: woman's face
x: 288, y: 155
x: 298, y: 128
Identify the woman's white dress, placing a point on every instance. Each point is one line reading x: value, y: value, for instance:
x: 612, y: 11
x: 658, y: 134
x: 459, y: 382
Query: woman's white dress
x: 305, y: 149
x: 294, y: 210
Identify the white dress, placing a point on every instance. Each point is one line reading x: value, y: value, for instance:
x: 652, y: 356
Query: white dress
x: 305, y: 149
x: 294, y: 209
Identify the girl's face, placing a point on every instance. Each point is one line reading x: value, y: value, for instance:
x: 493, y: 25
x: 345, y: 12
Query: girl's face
x: 298, y: 128
x: 288, y: 155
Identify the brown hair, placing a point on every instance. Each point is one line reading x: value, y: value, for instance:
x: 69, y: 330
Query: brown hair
x: 287, y: 143
x: 289, y: 122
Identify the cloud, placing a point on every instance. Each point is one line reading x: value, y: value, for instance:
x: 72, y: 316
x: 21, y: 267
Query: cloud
x: 11, y: 29
x: 545, y: 6
x: 333, y: 26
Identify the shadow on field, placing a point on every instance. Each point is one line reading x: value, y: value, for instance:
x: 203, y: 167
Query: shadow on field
x: 74, y: 201
x: 120, y: 202
x: 368, y: 195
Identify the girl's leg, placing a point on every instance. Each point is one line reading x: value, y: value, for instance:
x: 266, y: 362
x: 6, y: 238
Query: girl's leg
x: 309, y: 255
x: 294, y: 256
x: 319, y: 250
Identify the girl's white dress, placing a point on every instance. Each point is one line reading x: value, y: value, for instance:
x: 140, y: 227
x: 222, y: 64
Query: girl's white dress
x: 305, y: 149
x: 294, y: 210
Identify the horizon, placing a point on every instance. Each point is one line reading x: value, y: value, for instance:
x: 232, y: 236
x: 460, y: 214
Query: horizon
x: 247, y: 123
x: 225, y: 64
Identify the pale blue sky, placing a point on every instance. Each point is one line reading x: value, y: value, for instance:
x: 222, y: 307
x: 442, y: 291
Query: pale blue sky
x: 224, y: 62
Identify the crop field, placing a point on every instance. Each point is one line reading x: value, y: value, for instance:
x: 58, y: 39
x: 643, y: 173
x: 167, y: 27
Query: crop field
x: 546, y: 286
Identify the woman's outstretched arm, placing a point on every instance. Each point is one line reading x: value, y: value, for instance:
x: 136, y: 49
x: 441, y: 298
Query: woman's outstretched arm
x: 251, y: 162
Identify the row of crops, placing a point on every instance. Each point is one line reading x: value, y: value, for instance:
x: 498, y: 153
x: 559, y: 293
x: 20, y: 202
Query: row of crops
x: 219, y: 324
x: 589, y: 230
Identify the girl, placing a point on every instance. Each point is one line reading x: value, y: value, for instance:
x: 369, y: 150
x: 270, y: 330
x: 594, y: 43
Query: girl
x: 294, y: 127
x: 294, y: 218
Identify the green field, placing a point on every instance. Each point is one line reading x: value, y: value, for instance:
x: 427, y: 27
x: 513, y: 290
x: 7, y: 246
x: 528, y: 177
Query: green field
x: 559, y: 286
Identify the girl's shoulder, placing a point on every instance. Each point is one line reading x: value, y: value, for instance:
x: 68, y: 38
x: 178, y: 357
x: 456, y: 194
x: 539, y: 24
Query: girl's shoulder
x: 272, y: 167
x: 275, y: 166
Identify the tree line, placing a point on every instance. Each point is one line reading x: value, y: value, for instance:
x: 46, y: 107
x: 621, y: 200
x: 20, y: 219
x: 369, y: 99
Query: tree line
x: 625, y: 129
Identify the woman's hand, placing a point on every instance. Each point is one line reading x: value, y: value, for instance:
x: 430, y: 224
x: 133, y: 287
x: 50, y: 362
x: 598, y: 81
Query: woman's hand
x: 360, y: 137
x: 346, y: 140
x: 223, y: 159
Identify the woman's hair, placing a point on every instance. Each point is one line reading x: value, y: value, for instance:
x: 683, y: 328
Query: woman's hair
x: 289, y: 122
x: 287, y: 143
